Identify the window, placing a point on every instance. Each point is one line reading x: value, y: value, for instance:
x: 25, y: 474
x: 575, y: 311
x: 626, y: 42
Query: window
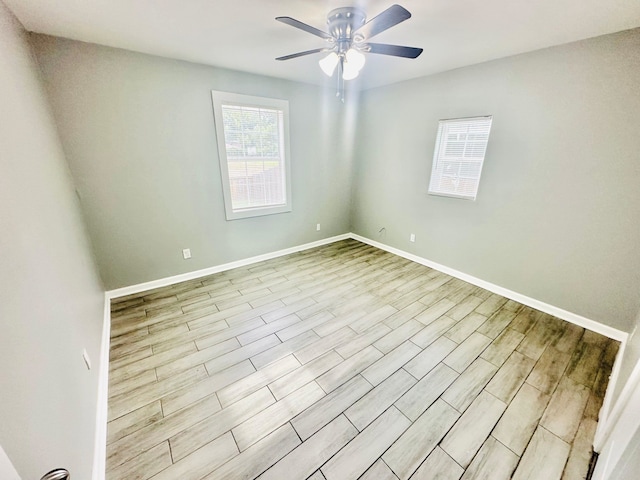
x: 458, y: 157
x: 253, y: 146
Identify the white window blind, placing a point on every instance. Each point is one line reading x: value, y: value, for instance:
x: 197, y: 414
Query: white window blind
x: 459, y: 154
x: 252, y: 137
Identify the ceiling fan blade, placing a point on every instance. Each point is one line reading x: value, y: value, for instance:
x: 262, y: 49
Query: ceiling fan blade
x: 393, y: 15
x: 394, y: 50
x: 303, y: 26
x: 302, y: 54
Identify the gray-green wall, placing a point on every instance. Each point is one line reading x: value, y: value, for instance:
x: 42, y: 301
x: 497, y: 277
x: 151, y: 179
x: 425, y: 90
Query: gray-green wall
x: 51, y: 298
x: 139, y: 135
x: 557, y: 215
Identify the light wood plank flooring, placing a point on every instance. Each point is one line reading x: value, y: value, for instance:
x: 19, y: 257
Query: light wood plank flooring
x: 346, y: 362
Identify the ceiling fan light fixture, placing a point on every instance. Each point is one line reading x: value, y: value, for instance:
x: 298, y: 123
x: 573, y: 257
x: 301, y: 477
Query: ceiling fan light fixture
x: 329, y: 63
x: 355, y: 59
x: 349, y: 73
x: 353, y: 63
x: 348, y: 36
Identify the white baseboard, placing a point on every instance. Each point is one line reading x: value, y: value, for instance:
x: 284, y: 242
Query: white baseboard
x: 163, y: 282
x: 100, y: 450
x: 571, y: 317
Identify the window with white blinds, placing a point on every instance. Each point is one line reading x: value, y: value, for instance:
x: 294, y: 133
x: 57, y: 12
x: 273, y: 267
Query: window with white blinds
x: 253, y: 146
x: 459, y: 154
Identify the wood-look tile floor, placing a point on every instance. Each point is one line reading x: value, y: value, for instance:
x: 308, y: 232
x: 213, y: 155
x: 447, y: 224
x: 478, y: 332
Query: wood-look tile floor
x: 346, y: 362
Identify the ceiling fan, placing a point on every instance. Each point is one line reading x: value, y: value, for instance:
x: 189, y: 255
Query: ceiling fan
x: 348, y: 39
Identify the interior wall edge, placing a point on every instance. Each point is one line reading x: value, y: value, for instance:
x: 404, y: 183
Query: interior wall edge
x: 632, y: 384
x: 102, y: 410
x: 623, y: 426
x: 608, y: 411
x: 49, y: 392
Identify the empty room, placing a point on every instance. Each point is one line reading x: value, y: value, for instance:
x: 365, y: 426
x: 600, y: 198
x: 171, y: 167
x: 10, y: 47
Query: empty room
x: 319, y: 240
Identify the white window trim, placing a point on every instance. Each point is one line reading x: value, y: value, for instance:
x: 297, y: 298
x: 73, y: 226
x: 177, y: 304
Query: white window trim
x: 225, y: 98
x: 436, y: 155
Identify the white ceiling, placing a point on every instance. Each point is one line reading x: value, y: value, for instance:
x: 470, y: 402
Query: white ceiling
x: 243, y: 35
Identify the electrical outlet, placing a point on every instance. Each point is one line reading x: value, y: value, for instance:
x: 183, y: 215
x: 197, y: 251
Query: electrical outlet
x: 317, y: 227
x: 412, y: 237
x: 186, y: 253
x: 87, y: 360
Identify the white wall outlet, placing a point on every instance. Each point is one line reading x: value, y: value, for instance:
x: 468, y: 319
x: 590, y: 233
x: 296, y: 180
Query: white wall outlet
x: 317, y: 227
x: 87, y: 360
x: 186, y: 253
x: 412, y: 237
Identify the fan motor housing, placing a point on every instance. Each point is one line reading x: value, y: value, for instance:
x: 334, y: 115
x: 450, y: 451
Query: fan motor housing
x: 342, y: 22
